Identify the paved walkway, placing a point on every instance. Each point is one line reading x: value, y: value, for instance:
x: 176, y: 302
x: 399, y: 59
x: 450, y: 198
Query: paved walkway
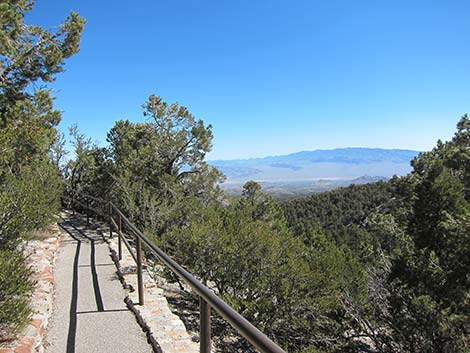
x: 89, y: 312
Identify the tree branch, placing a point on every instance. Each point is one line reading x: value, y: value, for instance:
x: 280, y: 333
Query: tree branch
x: 183, y: 174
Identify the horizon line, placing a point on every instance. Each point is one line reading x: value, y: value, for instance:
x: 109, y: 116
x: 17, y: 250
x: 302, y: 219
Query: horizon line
x: 315, y: 150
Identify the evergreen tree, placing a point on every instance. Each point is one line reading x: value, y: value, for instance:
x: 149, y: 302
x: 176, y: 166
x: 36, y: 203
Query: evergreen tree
x: 30, y: 186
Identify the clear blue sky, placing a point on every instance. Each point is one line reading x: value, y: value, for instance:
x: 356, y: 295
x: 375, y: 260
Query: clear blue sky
x: 272, y: 77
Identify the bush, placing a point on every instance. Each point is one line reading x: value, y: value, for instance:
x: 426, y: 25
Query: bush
x: 16, y: 286
x: 28, y: 201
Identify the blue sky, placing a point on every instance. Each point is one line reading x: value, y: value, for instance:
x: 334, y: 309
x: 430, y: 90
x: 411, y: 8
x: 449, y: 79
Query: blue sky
x: 272, y: 77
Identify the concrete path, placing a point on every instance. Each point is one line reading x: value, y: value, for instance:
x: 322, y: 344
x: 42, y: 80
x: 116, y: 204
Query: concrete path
x: 89, y: 312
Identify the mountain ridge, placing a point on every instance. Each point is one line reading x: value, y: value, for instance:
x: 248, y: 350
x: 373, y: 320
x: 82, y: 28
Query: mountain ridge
x: 316, y: 151
x: 339, y: 163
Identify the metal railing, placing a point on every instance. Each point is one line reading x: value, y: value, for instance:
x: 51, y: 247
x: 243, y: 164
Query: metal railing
x: 207, y: 298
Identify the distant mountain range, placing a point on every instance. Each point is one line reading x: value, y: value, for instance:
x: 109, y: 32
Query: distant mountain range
x: 331, y: 167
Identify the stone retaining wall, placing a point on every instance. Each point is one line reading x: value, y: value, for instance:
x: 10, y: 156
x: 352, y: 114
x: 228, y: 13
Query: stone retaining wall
x: 42, y: 255
x: 165, y: 330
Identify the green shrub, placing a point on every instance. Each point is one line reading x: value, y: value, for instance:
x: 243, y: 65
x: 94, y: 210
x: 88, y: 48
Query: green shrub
x: 28, y: 201
x: 16, y: 286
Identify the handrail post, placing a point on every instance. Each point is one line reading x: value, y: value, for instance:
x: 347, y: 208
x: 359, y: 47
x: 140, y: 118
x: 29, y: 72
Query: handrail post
x: 73, y: 205
x: 119, y: 239
x: 205, y: 326
x: 140, y: 282
x: 110, y: 220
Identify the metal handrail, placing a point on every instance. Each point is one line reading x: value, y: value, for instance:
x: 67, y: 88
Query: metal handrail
x: 207, y: 298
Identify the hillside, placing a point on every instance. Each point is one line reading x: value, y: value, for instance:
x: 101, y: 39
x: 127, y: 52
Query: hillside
x: 338, y: 210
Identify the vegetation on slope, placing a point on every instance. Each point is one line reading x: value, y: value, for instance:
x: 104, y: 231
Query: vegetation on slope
x: 341, y: 213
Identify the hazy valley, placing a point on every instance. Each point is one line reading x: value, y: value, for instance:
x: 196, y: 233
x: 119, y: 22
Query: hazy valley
x: 307, y: 172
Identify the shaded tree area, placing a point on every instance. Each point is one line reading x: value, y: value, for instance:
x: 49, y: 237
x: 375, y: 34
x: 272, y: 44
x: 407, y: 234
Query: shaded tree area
x: 430, y: 272
x: 342, y: 214
x: 30, y: 182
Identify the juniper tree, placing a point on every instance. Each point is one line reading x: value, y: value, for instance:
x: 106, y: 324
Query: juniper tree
x: 159, y: 165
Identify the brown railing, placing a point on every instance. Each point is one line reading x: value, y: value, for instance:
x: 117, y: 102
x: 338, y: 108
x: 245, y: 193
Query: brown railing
x: 207, y: 298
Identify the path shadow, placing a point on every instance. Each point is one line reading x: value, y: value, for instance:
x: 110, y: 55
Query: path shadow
x: 80, y: 234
